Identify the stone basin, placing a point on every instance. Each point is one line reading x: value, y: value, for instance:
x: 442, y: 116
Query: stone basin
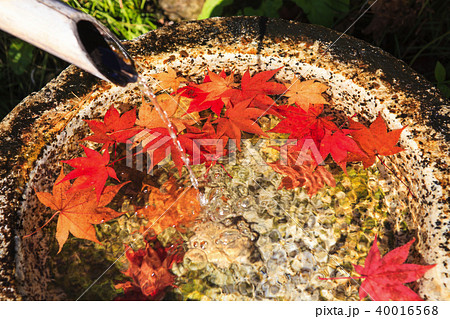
x: 47, y: 127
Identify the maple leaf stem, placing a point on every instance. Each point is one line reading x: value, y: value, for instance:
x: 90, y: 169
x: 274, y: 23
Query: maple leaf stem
x: 117, y: 160
x: 225, y: 170
x: 48, y: 221
x: 346, y: 121
x: 384, y: 164
x: 332, y: 278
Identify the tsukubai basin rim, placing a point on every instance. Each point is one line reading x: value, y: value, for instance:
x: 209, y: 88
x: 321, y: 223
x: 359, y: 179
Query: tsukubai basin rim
x: 387, y: 84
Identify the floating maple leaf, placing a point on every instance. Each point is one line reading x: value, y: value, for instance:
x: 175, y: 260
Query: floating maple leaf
x: 93, y: 170
x: 384, y: 276
x: 219, y: 86
x: 239, y: 117
x: 175, y: 108
x: 78, y: 211
x: 207, y: 145
x: 159, y: 144
x: 173, y: 207
x: 374, y: 140
x: 168, y: 80
x: 300, y: 123
x: 304, y: 93
x: 114, y: 128
x: 149, y: 272
x: 209, y: 94
x: 257, y: 89
x: 338, y: 144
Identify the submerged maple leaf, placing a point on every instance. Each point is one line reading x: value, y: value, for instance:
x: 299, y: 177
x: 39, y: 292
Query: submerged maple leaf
x: 149, y: 272
x: 303, y: 174
x: 168, y: 80
x: 384, y: 276
x: 374, y: 140
x: 114, y: 128
x: 304, y: 93
x: 78, y: 211
x: 93, y: 170
x: 174, y: 207
x: 239, y: 117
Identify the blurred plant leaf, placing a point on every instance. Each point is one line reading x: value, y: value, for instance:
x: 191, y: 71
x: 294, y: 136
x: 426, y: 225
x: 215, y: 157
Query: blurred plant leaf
x: 213, y: 8
x: 439, y: 72
x: 268, y: 8
x: 323, y: 12
x: 20, y: 55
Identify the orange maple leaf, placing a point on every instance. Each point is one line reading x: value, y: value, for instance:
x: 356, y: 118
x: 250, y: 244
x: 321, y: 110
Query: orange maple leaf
x: 374, y: 140
x: 174, y: 106
x: 304, y: 93
x: 239, y: 118
x: 174, y: 207
x: 168, y: 80
x: 219, y: 87
x: 78, y: 211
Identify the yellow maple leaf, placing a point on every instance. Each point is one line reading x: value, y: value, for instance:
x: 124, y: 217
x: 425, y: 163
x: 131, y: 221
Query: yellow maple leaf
x: 174, y: 106
x: 168, y: 80
x: 305, y: 93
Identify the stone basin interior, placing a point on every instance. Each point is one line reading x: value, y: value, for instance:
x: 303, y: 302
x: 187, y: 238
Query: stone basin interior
x: 354, y: 88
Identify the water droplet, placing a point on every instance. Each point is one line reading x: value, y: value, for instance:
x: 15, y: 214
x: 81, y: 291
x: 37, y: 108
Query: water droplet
x: 195, y: 259
x: 229, y: 237
x: 245, y: 288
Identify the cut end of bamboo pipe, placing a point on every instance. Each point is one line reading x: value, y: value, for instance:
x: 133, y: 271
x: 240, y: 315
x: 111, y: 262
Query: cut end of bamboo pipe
x: 106, y: 54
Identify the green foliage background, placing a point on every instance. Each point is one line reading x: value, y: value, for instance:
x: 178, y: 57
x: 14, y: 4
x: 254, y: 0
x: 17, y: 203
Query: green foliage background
x: 415, y: 31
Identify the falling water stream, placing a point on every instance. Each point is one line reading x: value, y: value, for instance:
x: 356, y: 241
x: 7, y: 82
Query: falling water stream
x: 145, y: 89
x: 152, y: 97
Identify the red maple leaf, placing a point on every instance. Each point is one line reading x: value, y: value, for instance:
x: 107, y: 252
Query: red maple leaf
x: 239, y: 117
x: 93, y: 170
x: 384, y: 276
x: 300, y: 171
x: 207, y: 146
x: 374, y: 140
x: 338, y: 144
x: 114, y: 128
x: 149, y: 272
x: 300, y: 123
x: 212, y: 94
x: 257, y: 89
x: 159, y: 144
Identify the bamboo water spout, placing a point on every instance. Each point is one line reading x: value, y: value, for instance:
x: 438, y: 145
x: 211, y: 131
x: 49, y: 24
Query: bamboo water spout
x: 70, y: 35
